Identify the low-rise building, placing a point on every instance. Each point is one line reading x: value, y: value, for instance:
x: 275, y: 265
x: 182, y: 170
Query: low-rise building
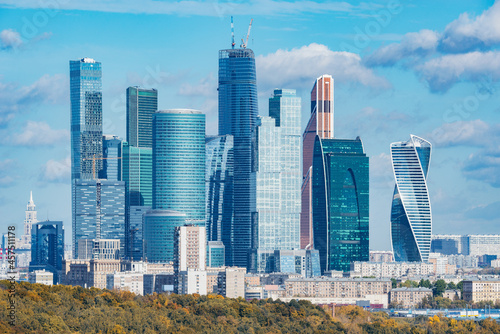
x: 192, y: 281
x: 481, y: 290
x: 126, y: 281
x: 409, y: 297
x: 41, y: 277
x: 452, y: 294
x: 336, y: 287
x: 231, y: 283
x: 391, y: 269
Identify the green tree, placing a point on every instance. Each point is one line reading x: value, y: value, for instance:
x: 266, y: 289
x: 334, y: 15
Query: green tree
x: 439, y: 287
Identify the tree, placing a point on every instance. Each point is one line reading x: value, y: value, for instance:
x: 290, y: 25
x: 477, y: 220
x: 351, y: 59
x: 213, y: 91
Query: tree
x: 439, y: 287
x: 452, y: 286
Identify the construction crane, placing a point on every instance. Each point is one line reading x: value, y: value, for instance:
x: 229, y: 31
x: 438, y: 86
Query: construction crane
x: 232, y: 33
x: 244, y: 43
x: 93, y: 162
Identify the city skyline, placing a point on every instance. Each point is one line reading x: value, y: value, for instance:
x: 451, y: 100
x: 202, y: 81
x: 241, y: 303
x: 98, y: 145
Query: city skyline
x: 464, y: 175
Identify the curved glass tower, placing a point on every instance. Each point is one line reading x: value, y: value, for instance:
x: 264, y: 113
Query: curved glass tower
x: 411, y: 220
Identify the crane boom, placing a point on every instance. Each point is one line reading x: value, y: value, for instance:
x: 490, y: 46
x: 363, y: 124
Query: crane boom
x: 98, y: 158
x: 245, y: 43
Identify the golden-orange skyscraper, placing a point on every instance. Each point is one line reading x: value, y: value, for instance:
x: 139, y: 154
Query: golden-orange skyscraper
x: 320, y: 124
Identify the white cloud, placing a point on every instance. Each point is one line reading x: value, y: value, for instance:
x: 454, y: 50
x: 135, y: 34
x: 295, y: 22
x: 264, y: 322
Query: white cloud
x: 59, y: 171
x: 484, y: 166
x: 413, y: 45
x: 466, y: 33
x: 295, y: 68
x: 39, y: 134
x: 470, y: 133
x: 205, y: 87
x: 443, y: 72
x: 10, y: 39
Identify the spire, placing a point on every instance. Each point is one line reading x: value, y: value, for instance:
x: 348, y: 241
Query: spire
x: 31, y: 196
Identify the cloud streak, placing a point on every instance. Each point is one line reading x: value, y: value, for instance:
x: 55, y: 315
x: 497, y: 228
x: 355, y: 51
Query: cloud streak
x: 39, y: 134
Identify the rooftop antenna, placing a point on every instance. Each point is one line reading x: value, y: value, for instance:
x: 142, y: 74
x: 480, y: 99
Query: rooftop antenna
x: 244, y: 43
x: 232, y: 33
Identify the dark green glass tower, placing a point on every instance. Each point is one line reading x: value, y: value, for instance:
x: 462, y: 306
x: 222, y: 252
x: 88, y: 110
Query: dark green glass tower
x: 340, y: 202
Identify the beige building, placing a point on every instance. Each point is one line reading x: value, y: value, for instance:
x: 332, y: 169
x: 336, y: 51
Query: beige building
x: 409, y: 297
x: 231, y: 282
x: 336, y: 287
x: 391, y: 269
x: 190, y: 248
x: 88, y: 273
x: 486, y: 290
x: 452, y: 294
x: 41, y: 277
x: 126, y: 281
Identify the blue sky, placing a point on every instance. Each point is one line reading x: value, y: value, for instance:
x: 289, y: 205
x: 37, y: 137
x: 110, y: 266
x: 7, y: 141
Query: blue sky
x: 420, y: 67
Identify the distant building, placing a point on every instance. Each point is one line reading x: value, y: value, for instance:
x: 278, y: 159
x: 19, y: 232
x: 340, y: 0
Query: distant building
x: 409, y: 297
x: 495, y: 263
x: 304, y: 262
x: 47, y: 247
x: 141, y: 105
x: 391, y: 269
x: 448, y: 244
x: 381, y: 256
x: 481, y: 290
x: 190, y: 248
x: 135, y: 232
x: 452, y: 294
x: 485, y: 244
x: 215, y: 254
x: 191, y: 281
x: 321, y: 124
x: 88, y: 273
x: 219, y: 178
x: 231, y: 282
x: 98, y: 211
x: 29, y: 220
x: 411, y: 219
x: 102, y: 249
x: 41, y: 277
x: 340, y: 184
x: 158, y: 234
x: 126, y: 281
x: 277, y: 171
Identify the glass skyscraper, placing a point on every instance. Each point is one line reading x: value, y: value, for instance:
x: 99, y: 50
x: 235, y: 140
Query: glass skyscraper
x: 320, y: 124
x: 178, y: 179
x: 141, y: 105
x: 137, y: 172
x: 278, y: 178
x: 219, y: 191
x: 98, y: 211
x: 340, y: 188
x: 411, y: 220
x: 112, y: 154
x: 86, y: 117
x: 47, y: 246
x: 238, y: 110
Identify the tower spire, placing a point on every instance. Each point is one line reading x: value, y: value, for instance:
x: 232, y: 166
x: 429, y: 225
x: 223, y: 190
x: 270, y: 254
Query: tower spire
x: 31, y: 196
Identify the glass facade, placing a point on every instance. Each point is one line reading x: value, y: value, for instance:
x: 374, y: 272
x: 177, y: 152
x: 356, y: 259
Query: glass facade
x: 135, y: 232
x: 219, y: 191
x: 278, y: 178
x: 411, y: 219
x: 238, y: 110
x: 86, y: 117
x: 112, y: 162
x: 215, y: 254
x: 340, y: 188
x: 298, y: 261
x: 98, y: 211
x: 141, y: 105
x: 47, y: 240
x: 159, y: 233
x: 321, y: 123
x: 179, y: 163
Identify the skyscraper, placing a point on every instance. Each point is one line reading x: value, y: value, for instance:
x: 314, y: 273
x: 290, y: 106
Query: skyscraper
x: 278, y: 177
x: 219, y: 173
x: 340, y: 188
x: 238, y: 110
x: 178, y: 179
x: 112, y: 155
x: 47, y: 251
x: 98, y: 211
x: 141, y: 105
x: 320, y: 124
x: 29, y: 220
x: 411, y: 220
x: 86, y: 118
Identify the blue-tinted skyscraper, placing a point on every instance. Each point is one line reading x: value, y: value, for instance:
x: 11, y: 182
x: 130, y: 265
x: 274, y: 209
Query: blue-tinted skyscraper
x: 411, y: 219
x: 47, y: 246
x: 340, y: 188
x: 219, y: 173
x: 98, y: 211
x: 141, y: 105
x: 238, y: 112
x: 178, y: 179
x: 278, y: 176
x: 86, y: 117
x: 112, y: 155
